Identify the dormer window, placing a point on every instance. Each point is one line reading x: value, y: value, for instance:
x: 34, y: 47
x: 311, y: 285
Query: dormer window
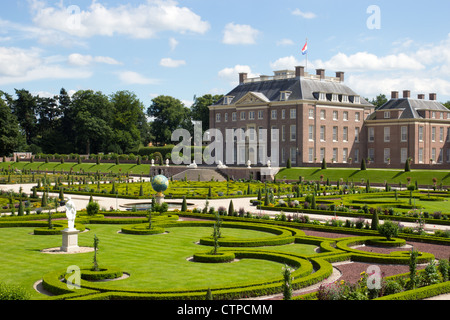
x: 284, y: 96
x: 322, y: 96
x: 334, y: 97
x: 357, y: 100
x: 344, y: 98
x: 227, y: 100
x: 387, y: 114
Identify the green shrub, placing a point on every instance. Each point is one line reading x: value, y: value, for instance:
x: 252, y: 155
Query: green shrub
x: 11, y: 292
x: 388, y: 229
x: 92, y: 208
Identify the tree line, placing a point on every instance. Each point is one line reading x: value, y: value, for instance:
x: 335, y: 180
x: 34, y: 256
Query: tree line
x: 90, y: 122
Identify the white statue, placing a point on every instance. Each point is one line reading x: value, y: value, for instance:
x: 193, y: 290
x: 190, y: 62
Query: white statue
x: 193, y: 165
x: 167, y: 162
x: 221, y: 165
x: 268, y: 163
x: 249, y: 164
x: 153, y: 163
x: 71, y: 213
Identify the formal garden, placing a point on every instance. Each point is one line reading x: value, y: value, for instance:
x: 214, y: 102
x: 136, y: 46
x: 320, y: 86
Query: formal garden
x: 225, y: 252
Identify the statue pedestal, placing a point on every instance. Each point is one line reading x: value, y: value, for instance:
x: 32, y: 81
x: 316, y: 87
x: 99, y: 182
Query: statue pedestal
x: 70, y: 240
x: 159, y: 199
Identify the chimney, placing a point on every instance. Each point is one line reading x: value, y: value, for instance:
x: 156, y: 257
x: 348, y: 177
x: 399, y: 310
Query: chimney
x: 394, y: 95
x: 340, y: 75
x: 433, y: 96
x: 300, y: 71
x: 321, y: 73
x: 421, y: 96
x: 242, y: 77
x: 406, y: 94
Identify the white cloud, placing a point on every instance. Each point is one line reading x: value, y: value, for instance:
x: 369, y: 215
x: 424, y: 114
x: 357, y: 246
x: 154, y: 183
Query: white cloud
x: 364, y: 61
x: 304, y: 15
x: 131, y: 77
x: 142, y: 21
x: 85, y: 60
x: 173, y: 43
x: 239, y: 34
x: 285, y: 63
x: 232, y: 74
x: 170, y: 63
x: 285, y: 42
x: 24, y: 65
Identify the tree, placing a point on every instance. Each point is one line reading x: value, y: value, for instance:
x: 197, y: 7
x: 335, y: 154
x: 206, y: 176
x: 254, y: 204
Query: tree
x: 379, y: 101
x: 289, y: 165
x: 96, y: 241
x: 24, y: 108
x: 407, y: 166
x: 363, y: 164
x: 168, y: 115
x: 200, y: 111
x: 374, y: 225
x: 184, y: 205
x: 287, y: 283
x: 388, y: 229
x: 231, y: 208
x: 9, y: 129
x: 324, y: 164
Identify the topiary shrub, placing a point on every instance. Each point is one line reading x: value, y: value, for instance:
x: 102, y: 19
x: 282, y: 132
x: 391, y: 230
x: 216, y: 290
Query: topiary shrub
x: 220, y: 257
x: 388, y: 229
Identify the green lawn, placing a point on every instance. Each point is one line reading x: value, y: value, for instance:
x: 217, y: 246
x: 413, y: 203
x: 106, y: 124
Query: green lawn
x: 157, y: 262
x: 391, y: 176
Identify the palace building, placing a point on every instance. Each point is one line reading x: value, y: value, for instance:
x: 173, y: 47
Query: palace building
x: 319, y: 117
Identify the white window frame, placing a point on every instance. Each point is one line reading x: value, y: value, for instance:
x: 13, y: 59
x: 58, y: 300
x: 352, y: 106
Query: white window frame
x: 404, y: 134
x: 387, y: 134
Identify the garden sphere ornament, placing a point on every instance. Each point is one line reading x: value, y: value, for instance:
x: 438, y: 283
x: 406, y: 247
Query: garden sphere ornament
x: 160, y: 184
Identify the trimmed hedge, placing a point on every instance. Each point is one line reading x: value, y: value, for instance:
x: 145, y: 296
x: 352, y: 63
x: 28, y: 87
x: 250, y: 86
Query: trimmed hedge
x: 220, y: 257
x: 395, y: 242
x: 103, y: 274
x: 142, y: 230
x: 420, y: 293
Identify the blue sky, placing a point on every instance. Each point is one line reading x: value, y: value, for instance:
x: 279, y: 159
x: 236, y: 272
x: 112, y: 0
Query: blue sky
x: 195, y: 47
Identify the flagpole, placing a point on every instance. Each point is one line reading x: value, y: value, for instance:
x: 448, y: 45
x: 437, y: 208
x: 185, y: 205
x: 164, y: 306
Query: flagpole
x: 306, y: 56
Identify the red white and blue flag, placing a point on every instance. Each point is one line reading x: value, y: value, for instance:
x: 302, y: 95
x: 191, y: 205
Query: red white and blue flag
x: 305, y: 48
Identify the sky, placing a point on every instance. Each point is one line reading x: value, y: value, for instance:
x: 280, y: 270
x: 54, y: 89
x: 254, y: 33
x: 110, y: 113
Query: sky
x: 190, y: 48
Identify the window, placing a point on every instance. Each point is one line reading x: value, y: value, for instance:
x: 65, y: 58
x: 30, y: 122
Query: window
x: 311, y: 154
x: 441, y: 134
x: 344, y: 155
x: 387, y: 155
x: 323, y: 114
x: 387, y: 134
x: 420, y: 134
x: 356, y: 134
x: 403, y: 155
x: 283, y: 114
x: 293, y: 132
x: 283, y: 133
x: 357, y: 100
x: 441, y: 116
x: 420, y: 155
x: 275, y: 133
x: 242, y: 115
x: 322, y: 96
x: 322, y: 133
x: 335, y: 154
x: 218, y: 117
x: 234, y: 116
x: 293, y: 114
x: 387, y: 114
x: 283, y: 156
x: 284, y: 96
x: 448, y: 134
x: 356, y: 155
x: 311, y: 133
x: 311, y: 113
x: 433, y: 154
x: 294, y: 155
x: 371, y: 154
x: 335, y: 115
x: 251, y: 115
x: 371, y: 134
x: 227, y: 100
x: 448, y: 155
x: 260, y: 114
x: 252, y: 136
x: 334, y: 97
x: 274, y: 114
x: 226, y: 117
x: 404, y: 134
x: 345, y: 134
x: 345, y: 116
x: 335, y: 134
x: 433, y: 115
x: 322, y: 154
x: 357, y: 116
x: 344, y: 98
x: 441, y: 156
x: 433, y: 134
